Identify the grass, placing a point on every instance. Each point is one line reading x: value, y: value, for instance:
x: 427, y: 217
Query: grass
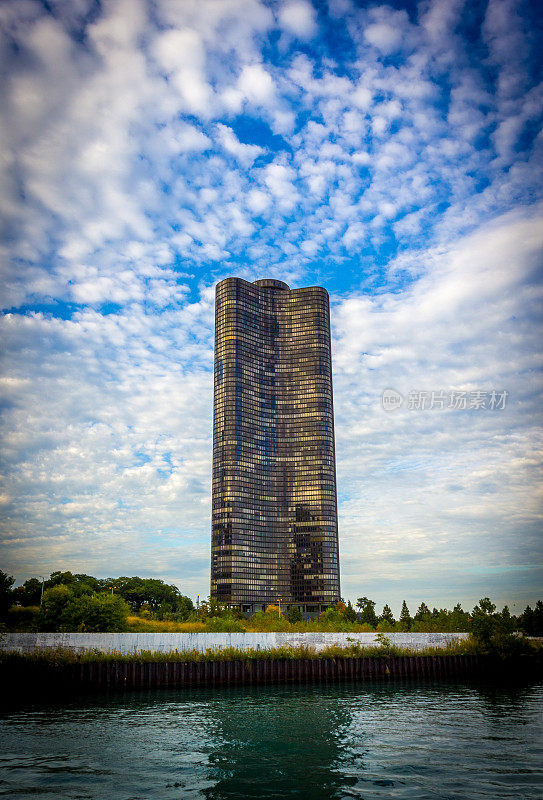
x: 267, y: 624
x: 63, y: 656
x: 24, y: 620
x: 142, y: 625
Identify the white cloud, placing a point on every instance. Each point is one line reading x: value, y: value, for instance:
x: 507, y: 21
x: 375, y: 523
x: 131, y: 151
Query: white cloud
x: 362, y: 97
x: 124, y: 182
x: 245, y: 153
x: 441, y: 18
x: 279, y: 180
x: 298, y: 18
x: 181, y: 54
x: 258, y: 201
x: 187, y: 138
x: 452, y: 489
x: 256, y: 84
x: 113, y: 450
x: 383, y: 36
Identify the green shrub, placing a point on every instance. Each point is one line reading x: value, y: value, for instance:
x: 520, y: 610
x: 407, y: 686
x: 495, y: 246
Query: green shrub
x: 509, y: 644
x: 226, y: 624
x: 23, y: 618
x: 6, y: 594
x: 294, y: 615
x: 367, y: 613
x: 531, y: 621
x: 63, y: 610
x: 493, y: 632
x: 269, y: 620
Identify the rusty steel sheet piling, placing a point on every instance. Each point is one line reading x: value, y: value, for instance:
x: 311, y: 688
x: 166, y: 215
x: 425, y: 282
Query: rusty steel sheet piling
x: 29, y: 675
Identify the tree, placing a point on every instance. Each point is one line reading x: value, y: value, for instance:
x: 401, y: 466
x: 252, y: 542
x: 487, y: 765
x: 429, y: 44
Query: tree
x: 332, y: 616
x: 489, y: 629
x: 52, y: 616
x: 63, y: 609
x: 367, y: 611
x: 531, y: 620
x: 99, y: 613
x: 459, y: 619
x: 350, y: 613
x: 29, y: 594
x: 137, y: 591
x: 6, y: 598
x: 422, y: 612
x: 486, y: 606
x: 294, y: 615
x: 80, y: 583
x: 178, y: 611
x: 387, y: 615
x: 405, y: 621
x: 507, y: 622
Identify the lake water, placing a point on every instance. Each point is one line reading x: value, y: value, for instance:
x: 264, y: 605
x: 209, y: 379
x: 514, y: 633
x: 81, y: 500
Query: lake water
x: 417, y: 741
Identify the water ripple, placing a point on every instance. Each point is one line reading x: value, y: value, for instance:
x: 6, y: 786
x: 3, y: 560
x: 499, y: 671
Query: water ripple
x: 405, y: 742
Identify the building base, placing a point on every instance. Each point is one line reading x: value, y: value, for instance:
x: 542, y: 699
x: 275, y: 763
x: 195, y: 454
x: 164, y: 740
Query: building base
x: 308, y: 610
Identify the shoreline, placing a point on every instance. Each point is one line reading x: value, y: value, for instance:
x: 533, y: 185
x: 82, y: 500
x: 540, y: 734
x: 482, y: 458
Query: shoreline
x: 41, y: 676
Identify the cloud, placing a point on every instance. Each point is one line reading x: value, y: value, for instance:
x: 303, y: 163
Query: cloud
x: 385, y: 37
x: 121, y: 436
x: 278, y: 178
x: 256, y: 84
x: 298, y: 18
x: 182, y: 56
x: 154, y: 148
x: 447, y: 332
x: 245, y: 153
x: 258, y: 201
x: 185, y: 138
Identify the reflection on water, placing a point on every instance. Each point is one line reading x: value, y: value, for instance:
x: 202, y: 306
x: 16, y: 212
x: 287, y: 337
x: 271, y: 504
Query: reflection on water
x: 366, y: 741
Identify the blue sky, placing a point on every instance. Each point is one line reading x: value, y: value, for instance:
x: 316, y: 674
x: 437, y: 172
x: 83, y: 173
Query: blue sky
x: 390, y: 152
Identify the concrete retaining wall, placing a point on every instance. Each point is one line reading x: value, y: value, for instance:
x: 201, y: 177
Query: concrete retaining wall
x: 170, y: 642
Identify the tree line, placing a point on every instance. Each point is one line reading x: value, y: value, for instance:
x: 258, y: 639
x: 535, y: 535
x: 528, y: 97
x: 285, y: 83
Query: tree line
x: 444, y: 620
x: 80, y: 602
x: 77, y: 602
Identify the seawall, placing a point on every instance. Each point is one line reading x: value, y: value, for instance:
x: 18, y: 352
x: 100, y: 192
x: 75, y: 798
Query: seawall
x: 127, y: 643
x: 27, y: 678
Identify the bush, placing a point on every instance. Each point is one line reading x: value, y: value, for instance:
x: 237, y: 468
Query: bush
x: 29, y: 594
x: 23, y: 618
x: 509, y: 644
x: 63, y: 610
x: 386, y: 648
x: 494, y: 632
x: 136, y: 624
x: 531, y: 621
x: 294, y: 615
x: 269, y: 620
x: 226, y: 624
x: 146, y: 613
x: 6, y: 595
x: 367, y: 613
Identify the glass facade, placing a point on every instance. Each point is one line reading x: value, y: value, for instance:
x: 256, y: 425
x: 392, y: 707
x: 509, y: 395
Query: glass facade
x: 274, y: 508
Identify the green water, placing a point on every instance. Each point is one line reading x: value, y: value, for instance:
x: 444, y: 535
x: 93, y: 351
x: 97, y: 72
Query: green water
x: 364, y: 741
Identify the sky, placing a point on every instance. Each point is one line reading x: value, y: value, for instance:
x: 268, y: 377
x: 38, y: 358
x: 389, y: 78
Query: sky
x: 389, y: 152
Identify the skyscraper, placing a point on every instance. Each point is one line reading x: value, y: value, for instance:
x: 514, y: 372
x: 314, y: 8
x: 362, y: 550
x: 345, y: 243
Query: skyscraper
x: 274, y: 509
